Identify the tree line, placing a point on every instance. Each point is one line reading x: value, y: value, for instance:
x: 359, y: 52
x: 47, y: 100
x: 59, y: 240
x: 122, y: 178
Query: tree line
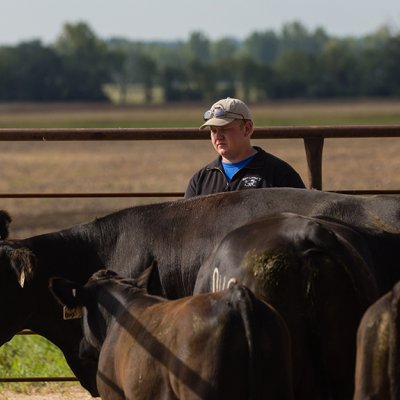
x: 292, y: 63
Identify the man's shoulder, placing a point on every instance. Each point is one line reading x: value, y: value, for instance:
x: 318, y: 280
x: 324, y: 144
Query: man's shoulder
x: 206, y: 180
x: 263, y: 156
x: 283, y: 173
x: 213, y: 165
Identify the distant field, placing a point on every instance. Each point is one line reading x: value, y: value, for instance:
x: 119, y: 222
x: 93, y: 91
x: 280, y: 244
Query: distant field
x: 189, y: 115
x: 156, y: 166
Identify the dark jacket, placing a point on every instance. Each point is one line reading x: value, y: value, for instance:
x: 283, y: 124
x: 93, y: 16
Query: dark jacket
x: 264, y: 170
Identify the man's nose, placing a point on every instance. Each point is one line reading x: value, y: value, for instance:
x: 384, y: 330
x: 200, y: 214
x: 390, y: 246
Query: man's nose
x: 219, y: 135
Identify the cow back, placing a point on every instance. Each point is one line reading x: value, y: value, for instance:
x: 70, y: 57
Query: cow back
x: 378, y: 350
x: 318, y: 276
x: 220, y: 345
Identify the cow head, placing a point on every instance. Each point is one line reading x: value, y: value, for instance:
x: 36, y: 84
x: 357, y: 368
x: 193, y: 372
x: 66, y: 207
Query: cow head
x: 5, y: 221
x: 17, y: 300
x: 18, y: 260
x: 96, y: 303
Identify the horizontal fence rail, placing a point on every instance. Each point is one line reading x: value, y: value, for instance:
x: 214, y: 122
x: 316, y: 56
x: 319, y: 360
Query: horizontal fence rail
x: 86, y: 195
x: 313, y: 137
x: 273, y: 132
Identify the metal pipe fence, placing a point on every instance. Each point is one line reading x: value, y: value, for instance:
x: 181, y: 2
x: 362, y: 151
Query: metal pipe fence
x: 313, y: 138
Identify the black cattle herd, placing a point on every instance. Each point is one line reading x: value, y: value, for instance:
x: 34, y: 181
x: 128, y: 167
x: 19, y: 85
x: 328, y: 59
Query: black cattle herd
x: 273, y: 293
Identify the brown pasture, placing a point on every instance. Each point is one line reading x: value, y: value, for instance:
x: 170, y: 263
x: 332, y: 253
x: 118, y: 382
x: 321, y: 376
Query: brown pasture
x: 50, y: 167
x: 157, y: 166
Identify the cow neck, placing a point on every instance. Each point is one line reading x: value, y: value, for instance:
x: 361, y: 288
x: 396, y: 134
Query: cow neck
x: 66, y: 253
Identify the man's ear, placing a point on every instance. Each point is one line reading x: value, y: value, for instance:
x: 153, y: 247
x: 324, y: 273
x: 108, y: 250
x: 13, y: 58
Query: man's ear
x: 249, y: 129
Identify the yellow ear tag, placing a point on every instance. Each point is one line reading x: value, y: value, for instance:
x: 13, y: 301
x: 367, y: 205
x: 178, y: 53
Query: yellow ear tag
x: 72, y: 313
x: 21, y: 279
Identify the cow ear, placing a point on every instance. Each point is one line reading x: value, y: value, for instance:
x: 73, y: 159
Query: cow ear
x: 144, y: 279
x: 68, y: 294
x: 23, y: 263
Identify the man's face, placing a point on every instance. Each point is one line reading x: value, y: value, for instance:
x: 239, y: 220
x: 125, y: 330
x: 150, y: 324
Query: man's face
x: 232, y: 141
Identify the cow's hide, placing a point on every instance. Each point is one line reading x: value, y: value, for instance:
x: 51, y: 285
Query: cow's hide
x: 226, y: 345
x: 5, y: 220
x: 378, y: 350
x: 179, y: 235
x: 319, y: 275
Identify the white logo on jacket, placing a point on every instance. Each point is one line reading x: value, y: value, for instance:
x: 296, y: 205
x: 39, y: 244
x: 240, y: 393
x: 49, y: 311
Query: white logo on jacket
x: 251, y: 181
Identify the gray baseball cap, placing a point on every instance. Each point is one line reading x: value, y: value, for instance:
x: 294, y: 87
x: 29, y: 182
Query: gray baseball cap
x: 225, y: 111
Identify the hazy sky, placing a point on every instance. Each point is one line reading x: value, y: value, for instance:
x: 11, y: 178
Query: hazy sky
x: 22, y: 20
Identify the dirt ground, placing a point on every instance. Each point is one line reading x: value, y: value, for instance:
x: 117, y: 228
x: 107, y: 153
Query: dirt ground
x: 71, y: 392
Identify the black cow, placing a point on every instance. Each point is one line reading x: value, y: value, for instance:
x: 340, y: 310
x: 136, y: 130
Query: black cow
x: 5, y: 221
x: 179, y: 235
x: 318, y: 275
x: 378, y: 350
x: 226, y: 345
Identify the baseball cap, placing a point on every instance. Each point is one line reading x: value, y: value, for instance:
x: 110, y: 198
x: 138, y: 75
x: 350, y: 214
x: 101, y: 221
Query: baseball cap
x: 225, y: 111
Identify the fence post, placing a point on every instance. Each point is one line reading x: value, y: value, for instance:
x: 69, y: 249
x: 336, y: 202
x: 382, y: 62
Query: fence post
x: 313, y: 147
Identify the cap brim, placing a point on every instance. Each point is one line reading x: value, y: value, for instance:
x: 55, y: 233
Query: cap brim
x: 217, y: 122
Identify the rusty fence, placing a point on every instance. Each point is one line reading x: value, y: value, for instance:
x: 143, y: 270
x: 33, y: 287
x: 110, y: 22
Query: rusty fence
x: 313, y: 138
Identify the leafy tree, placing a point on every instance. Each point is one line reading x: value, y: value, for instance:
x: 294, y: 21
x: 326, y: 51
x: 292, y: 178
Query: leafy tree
x: 224, y: 50
x: 119, y: 73
x: 225, y: 77
x: 8, y: 75
x: 261, y: 47
x: 294, y: 71
x: 380, y: 63
x: 294, y: 36
x: 30, y: 71
x: 294, y: 62
x: 202, y: 81
x: 392, y: 57
x: 86, y: 62
x: 197, y: 48
x: 174, y: 83
x: 145, y: 69
x: 166, y: 53
x: 247, y: 75
x: 263, y: 82
x: 338, y: 70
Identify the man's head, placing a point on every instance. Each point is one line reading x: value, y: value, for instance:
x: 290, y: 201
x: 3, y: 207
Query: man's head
x: 226, y: 111
x: 231, y: 128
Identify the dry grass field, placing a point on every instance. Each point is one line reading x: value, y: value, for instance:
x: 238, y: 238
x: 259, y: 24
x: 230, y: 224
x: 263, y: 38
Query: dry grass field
x: 157, y: 166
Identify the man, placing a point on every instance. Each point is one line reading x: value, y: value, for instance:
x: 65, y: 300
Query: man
x: 239, y: 165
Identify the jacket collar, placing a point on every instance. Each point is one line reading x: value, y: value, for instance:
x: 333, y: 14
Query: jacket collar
x: 256, y: 162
